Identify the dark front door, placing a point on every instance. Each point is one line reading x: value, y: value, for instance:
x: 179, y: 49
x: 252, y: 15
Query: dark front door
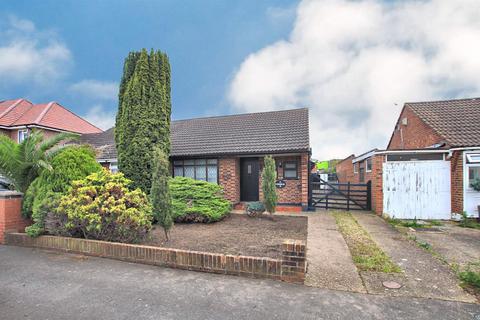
x: 249, y: 171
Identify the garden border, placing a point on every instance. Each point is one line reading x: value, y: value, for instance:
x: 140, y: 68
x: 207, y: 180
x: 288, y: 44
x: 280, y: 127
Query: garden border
x: 291, y: 268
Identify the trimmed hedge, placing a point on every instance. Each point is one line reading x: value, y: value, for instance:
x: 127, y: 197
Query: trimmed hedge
x: 197, y: 201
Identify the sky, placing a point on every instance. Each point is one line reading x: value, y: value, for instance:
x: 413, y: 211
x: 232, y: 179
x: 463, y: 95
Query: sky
x: 352, y: 63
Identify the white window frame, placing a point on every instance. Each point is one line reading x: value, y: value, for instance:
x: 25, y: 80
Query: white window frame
x: 23, y: 133
x: 113, y: 167
x: 473, y: 157
x: 355, y: 168
x: 366, y: 164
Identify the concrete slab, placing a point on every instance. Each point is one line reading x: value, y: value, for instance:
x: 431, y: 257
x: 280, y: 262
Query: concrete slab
x: 424, y: 275
x: 330, y: 264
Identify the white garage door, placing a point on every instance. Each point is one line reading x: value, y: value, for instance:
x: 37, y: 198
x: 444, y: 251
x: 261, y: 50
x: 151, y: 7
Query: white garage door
x: 417, y: 189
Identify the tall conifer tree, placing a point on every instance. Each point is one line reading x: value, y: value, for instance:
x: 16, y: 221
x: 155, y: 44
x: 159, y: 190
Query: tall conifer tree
x: 143, y: 118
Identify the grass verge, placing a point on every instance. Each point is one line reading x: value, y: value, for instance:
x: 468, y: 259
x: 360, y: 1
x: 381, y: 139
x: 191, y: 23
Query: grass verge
x: 366, y: 254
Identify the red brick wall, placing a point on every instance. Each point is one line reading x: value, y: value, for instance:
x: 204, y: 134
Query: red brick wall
x: 456, y: 180
x: 344, y: 170
x: 416, y: 134
x: 295, y: 192
x: 229, y: 178
x: 11, y: 219
x: 377, y: 183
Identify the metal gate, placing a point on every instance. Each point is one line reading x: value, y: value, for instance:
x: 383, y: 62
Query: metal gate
x: 342, y: 196
x: 417, y: 189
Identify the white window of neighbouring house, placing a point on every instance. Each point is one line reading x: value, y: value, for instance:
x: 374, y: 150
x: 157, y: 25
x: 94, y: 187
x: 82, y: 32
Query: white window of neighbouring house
x: 290, y: 170
x: 369, y: 164
x: 199, y: 169
x: 22, y: 135
x: 355, y: 168
x: 473, y: 173
x: 473, y: 158
x: 113, y: 167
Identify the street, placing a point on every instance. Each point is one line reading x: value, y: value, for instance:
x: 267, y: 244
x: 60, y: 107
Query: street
x: 38, y: 284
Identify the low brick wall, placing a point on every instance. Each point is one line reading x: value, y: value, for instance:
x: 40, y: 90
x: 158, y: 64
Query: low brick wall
x: 291, y: 268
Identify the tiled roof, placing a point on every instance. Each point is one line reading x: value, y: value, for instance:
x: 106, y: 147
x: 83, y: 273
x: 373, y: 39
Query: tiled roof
x: 457, y: 121
x: 22, y: 112
x: 252, y: 133
x: 103, y: 142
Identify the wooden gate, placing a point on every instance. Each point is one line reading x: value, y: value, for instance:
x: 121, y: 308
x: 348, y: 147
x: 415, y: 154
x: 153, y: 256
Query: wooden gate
x: 341, y: 196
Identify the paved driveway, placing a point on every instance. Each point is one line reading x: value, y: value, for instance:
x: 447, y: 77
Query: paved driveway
x: 38, y: 284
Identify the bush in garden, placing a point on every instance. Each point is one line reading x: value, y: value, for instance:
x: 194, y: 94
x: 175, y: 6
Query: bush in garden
x: 159, y: 192
x: 269, y: 175
x: 102, y: 207
x: 255, y: 209
x: 72, y: 163
x: 197, y: 201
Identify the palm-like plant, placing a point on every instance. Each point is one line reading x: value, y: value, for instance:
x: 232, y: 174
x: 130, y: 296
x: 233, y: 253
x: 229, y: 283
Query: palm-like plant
x: 22, y: 162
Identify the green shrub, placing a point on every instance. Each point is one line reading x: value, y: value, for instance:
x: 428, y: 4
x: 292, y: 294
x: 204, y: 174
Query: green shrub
x: 197, y: 201
x: 255, y: 209
x: 103, y: 207
x: 160, y: 193
x: 72, y: 163
x: 476, y: 184
x: 470, y: 277
x: 269, y: 175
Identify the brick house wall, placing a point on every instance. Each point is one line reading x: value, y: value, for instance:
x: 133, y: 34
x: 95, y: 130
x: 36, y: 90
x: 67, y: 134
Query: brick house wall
x: 229, y: 178
x: 295, y: 193
x: 415, y: 135
x: 344, y: 170
x: 376, y: 177
x: 456, y: 181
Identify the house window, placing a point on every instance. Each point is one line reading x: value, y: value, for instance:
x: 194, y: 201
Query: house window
x: 199, y: 169
x: 369, y: 164
x: 22, y: 135
x: 473, y: 173
x: 290, y: 170
x: 355, y: 168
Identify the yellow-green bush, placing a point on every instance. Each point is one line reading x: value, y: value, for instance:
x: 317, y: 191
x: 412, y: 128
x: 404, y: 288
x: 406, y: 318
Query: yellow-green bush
x: 102, y: 207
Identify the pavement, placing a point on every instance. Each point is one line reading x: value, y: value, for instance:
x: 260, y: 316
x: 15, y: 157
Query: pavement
x: 330, y: 264
x: 423, y: 274
x: 38, y: 284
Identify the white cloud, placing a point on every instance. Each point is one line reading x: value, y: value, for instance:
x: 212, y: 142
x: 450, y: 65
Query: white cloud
x: 100, y: 117
x: 28, y: 55
x: 94, y: 89
x: 350, y: 62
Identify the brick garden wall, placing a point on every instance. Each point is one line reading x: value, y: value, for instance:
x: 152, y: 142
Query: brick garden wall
x: 11, y: 219
x: 291, y: 268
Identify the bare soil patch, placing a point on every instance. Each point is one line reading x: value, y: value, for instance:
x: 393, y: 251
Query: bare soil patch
x: 237, y: 234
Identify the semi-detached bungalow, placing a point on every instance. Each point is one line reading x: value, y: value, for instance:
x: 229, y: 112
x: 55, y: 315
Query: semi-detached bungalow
x: 229, y: 150
x: 431, y: 160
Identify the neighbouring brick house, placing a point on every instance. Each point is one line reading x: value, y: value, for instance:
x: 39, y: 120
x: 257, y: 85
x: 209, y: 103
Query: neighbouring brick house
x: 18, y: 117
x: 229, y: 150
x: 434, y: 150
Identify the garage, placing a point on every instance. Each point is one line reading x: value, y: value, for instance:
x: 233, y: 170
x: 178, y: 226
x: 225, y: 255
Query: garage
x: 417, y: 186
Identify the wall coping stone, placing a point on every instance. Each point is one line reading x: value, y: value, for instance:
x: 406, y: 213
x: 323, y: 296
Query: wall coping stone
x: 9, y: 194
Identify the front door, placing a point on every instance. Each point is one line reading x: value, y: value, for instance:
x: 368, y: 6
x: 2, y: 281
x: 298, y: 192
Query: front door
x: 249, y: 170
